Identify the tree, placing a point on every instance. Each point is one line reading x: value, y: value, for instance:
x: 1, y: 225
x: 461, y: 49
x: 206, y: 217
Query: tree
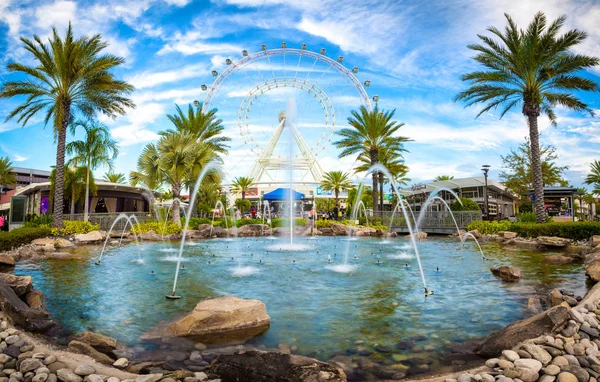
x: 336, y: 181
x: 115, y: 178
x: 441, y: 178
x: 519, y: 177
x: 96, y: 149
x: 75, y: 185
x: 176, y: 160
x: 580, y: 195
x: 535, y: 69
x: 71, y: 76
x: 369, y: 132
x: 242, y: 204
x: 467, y: 205
x: 241, y: 185
x: 593, y: 178
x: 7, y: 176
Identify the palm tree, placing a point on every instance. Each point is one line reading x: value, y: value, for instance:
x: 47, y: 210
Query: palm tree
x: 441, y: 178
x: 175, y: 160
x: 203, y: 126
x: 590, y: 200
x: 337, y: 182
x: 370, y: 132
x: 115, y: 178
x: 241, y: 185
x: 72, y: 75
x: 534, y: 69
x: 96, y: 149
x: 7, y: 176
x: 593, y: 178
x: 581, y: 192
x: 75, y: 184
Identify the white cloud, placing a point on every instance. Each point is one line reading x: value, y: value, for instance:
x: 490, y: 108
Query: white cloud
x: 57, y: 14
x: 189, y: 48
x: 150, y: 79
x: 135, y: 130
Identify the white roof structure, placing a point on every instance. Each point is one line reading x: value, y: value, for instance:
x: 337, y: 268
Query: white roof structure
x: 457, y: 184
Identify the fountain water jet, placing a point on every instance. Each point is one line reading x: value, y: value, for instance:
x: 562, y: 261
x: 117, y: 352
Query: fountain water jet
x: 120, y: 217
x: 218, y: 203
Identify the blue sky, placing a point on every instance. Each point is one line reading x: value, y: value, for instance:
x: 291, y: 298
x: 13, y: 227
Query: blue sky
x: 413, y: 53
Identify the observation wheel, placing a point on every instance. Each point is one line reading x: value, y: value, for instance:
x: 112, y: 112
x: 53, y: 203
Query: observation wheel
x: 250, y: 94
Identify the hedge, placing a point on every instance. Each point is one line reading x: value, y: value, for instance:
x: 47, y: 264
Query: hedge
x: 20, y: 236
x: 569, y: 230
x: 160, y: 228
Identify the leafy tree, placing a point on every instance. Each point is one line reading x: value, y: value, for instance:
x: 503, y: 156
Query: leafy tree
x: 115, y: 178
x: 519, y: 178
x: 75, y: 185
x: 337, y: 182
x: 441, y: 178
x: 593, y: 178
x: 242, y: 204
x: 467, y: 205
x: 207, y: 197
x: 534, y: 69
x: 7, y: 176
x: 370, y: 131
x: 70, y: 76
x: 366, y: 197
x: 96, y: 149
x: 241, y: 185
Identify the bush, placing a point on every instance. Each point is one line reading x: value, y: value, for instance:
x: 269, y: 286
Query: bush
x: 529, y: 217
x: 467, y: 205
x: 195, y: 222
x: 76, y: 227
x: 279, y: 222
x: 161, y: 228
x: 243, y: 222
x: 33, y: 221
x: 570, y: 230
x: 223, y: 223
x: 20, y: 236
x: 324, y: 223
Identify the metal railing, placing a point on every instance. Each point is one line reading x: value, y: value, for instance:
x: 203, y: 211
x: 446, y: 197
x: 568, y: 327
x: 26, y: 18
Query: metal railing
x: 105, y: 220
x: 429, y: 220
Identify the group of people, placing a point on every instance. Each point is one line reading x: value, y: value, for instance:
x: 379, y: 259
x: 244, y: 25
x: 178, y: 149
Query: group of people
x: 337, y: 213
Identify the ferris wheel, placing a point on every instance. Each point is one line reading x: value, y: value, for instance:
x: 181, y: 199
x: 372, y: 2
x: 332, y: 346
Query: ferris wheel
x: 250, y: 95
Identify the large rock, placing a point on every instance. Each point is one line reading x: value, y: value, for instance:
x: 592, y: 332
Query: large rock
x: 101, y: 343
x: 89, y: 238
x: 520, y: 331
x: 507, y: 273
x: 475, y: 233
x: 34, y: 299
x: 418, y: 235
x: 553, y: 241
x: 339, y: 229
x: 274, y: 367
x: 63, y: 243
x: 523, y: 243
x: 509, y: 235
x: 150, y: 236
x: 252, y: 230
x: 595, y: 241
x: 6, y: 259
x: 224, y: 319
x: 44, y: 244
x: 20, y: 313
x: 365, y: 231
x: 203, y: 232
x: 86, y: 349
x: 592, y: 266
x: 559, y: 259
x: 20, y: 284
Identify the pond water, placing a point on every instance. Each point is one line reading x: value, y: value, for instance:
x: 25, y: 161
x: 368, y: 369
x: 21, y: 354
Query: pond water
x: 320, y: 311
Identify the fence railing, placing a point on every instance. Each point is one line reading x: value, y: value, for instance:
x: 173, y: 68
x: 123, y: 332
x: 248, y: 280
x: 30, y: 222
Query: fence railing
x: 105, y: 220
x: 429, y: 219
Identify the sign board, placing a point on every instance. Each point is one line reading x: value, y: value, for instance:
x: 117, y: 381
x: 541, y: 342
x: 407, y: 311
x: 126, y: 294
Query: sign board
x: 417, y: 187
x: 252, y: 191
x: 321, y: 192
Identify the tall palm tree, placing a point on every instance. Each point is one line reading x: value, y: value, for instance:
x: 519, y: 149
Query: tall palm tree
x: 369, y: 132
x: 7, y: 176
x: 337, y: 182
x: 441, y: 178
x: 70, y: 76
x: 115, y: 178
x: 241, y: 185
x: 173, y: 161
x: 590, y: 200
x: 203, y: 126
x: 96, y: 149
x: 593, y: 178
x: 581, y: 192
x: 534, y: 69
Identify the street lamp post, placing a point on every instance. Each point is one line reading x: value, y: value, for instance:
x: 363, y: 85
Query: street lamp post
x: 485, y: 168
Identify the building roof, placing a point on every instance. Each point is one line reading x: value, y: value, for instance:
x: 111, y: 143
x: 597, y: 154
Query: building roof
x: 283, y: 194
x: 455, y: 184
x: 100, y: 185
x: 33, y: 171
x: 567, y: 191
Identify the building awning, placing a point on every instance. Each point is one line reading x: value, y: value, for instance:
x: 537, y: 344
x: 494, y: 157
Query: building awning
x: 283, y: 194
x: 557, y: 191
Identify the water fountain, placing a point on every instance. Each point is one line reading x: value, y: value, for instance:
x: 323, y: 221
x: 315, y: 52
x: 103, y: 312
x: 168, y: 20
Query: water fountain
x: 130, y: 224
x: 119, y: 218
x: 223, y: 211
x: 266, y: 208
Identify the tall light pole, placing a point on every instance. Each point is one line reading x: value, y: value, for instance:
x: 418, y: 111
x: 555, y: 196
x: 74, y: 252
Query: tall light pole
x: 485, y: 168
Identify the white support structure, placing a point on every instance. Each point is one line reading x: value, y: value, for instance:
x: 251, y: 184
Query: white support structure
x: 306, y: 164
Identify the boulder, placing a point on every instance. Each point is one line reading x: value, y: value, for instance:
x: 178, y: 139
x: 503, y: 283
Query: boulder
x: 509, y: 235
x: 6, y: 259
x: 523, y: 243
x: 150, y: 236
x: 534, y: 305
x: 595, y: 241
x: 34, y: 299
x: 63, y: 243
x: 418, y: 235
x: 475, y: 233
x: 252, y: 230
x: 85, y: 349
x: 203, y: 232
x: 592, y: 266
x: 339, y: 229
x: 89, y: 238
x: 226, y: 319
x: 559, y: 259
x: 507, y: 273
x: 20, y: 313
x: 43, y: 241
x: 553, y: 241
x: 519, y: 331
x: 101, y: 343
x: 365, y: 231
x: 20, y: 284
x: 555, y: 298
x: 390, y: 234
x: 274, y: 366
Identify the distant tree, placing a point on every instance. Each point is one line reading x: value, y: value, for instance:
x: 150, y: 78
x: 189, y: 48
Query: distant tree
x: 242, y: 204
x: 441, y: 178
x: 241, y: 185
x: 535, y: 70
x: 337, y: 182
x: 7, y: 176
x: 75, y: 185
x: 467, y: 205
x: 593, y: 178
x: 519, y: 177
x: 115, y: 178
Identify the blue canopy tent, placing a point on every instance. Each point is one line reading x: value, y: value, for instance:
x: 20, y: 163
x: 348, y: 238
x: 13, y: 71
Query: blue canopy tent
x: 282, y: 194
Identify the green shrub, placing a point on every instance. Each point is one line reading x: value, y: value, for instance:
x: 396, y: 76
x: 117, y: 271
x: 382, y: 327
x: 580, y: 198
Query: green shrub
x: 323, y: 223
x: 529, y: 217
x: 569, y: 230
x: 195, y: 222
x: 32, y: 221
x: 490, y: 227
x: 467, y: 205
x: 243, y: 222
x: 20, y: 236
x: 223, y: 223
x: 75, y: 227
x: 281, y: 222
x: 160, y: 228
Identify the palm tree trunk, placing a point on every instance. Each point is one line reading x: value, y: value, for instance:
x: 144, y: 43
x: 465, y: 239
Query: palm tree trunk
x: 243, y: 194
x: 381, y: 191
x: 536, y: 167
x: 86, y: 202
x: 59, y: 182
x: 337, y: 194
x: 175, y: 209
x: 374, y: 154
